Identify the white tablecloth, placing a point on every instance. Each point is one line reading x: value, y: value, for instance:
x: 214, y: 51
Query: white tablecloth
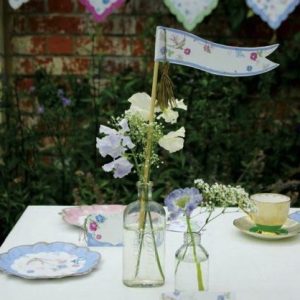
x: 252, y: 268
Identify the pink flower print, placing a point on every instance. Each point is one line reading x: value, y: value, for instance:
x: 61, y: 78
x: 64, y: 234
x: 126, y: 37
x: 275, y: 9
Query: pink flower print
x: 187, y: 51
x: 98, y: 236
x: 93, y: 226
x: 253, y: 56
x: 207, y: 48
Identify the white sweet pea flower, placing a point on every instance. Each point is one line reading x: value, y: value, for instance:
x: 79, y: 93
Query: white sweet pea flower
x: 173, y: 141
x: 124, y: 125
x: 180, y: 104
x: 169, y: 114
x: 140, y: 104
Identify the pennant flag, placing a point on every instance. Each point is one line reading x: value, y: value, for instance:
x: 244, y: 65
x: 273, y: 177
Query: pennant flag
x: 273, y: 12
x: 183, y: 48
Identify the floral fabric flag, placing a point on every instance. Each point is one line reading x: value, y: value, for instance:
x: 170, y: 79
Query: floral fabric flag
x: 100, y: 9
x: 273, y: 12
x: 183, y: 48
x: 191, y: 12
x: 15, y: 4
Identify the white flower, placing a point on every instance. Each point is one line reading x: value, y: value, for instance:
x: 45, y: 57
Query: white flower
x: 173, y: 141
x: 170, y: 115
x: 180, y: 104
x: 140, y: 105
x: 124, y: 125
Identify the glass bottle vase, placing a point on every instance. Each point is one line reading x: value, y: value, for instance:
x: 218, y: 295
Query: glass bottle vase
x: 191, y: 266
x: 144, y: 227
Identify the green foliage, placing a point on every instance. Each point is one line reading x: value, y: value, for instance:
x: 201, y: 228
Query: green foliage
x: 242, y: 131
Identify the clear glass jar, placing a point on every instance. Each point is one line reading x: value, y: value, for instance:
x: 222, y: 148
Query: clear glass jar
x: 144, y: 228
x: 191, y: 269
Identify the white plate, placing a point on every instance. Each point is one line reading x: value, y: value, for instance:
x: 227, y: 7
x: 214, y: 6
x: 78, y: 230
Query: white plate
x: 244, y: 224
x: 48, y: 260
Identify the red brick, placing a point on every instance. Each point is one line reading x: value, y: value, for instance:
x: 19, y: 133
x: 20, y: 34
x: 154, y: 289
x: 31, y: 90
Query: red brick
x: 33, y: 6
x: 115, y: 65
x: 113, y: 46
x: 54, y: 65
x: 60, y: 45
x: 138, y: 47
x: 150, y: 7
x: 55, y: 24
x: 77, y: 66
x: 127, y: 8
x: 80, y: 7
x: 25, y: 84
x: 83, y: 45
x: 19, y: 24
x: 60, y: 6
x: 28, y: 45
x: 120, y: 24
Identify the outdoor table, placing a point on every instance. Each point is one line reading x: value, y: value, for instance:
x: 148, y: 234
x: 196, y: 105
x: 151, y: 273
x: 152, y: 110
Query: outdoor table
x: 251, y: 268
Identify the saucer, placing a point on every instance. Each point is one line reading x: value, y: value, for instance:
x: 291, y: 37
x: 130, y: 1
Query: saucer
x: 291, y: 227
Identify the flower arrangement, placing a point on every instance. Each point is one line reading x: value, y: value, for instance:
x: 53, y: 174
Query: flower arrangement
x: 205, y: 197
x: 131, y: 141
x: 126, y: 142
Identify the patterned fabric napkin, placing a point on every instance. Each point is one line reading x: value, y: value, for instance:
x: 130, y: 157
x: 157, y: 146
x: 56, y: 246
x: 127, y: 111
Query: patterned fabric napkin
x: 104, y: 230
x: 295, y: 216
x: 198, y: 296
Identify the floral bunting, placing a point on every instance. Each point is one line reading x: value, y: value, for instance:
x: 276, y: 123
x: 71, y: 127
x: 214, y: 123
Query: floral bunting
x: 15, y: 4
x: 100, y: 9
x: 191, y: 12
x: 273, y: 12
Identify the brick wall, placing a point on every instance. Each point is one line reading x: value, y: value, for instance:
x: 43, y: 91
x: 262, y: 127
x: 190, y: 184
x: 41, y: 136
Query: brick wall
x: 57, y: 35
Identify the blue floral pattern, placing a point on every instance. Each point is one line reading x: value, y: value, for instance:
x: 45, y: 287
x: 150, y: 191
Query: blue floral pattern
x: 184, y: 48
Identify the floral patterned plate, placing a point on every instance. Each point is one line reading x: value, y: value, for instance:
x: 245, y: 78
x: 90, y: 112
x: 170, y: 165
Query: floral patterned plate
x: 77, y: 215
x: 48, y: 260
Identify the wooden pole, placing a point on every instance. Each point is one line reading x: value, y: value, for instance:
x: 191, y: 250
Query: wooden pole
x: 147, y: 163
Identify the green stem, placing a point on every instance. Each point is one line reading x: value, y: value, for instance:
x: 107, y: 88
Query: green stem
x: 155, y: 248
x: 198, y: 266
x: 141, y: 241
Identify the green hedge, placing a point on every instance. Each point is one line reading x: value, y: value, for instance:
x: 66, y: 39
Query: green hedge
x: 238, y: 131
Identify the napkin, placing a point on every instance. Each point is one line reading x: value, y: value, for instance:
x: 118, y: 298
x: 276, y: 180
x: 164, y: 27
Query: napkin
x: 179, y: 223
x: 295, y: 216
x: 198, y: 296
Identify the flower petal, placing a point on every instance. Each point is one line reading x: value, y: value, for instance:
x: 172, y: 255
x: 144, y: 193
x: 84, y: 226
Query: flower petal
x: 169, y: 115
x: 110, y: 145
x: 140, y: 105
x: 173, y: 141
x: 124, y: 125
x: 107, y: 130
x: 120, y: 166
x: 180, y: 104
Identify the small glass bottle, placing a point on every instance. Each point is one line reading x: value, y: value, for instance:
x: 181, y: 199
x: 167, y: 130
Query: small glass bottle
x: 144, y: 227
x: 191, y: 269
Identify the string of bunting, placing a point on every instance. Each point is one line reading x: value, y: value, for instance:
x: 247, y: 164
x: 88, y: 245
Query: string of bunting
x: 192, y: 12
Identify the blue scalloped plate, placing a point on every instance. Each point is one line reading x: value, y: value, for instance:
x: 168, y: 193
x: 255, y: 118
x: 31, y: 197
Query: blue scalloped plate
x: 48, y: 260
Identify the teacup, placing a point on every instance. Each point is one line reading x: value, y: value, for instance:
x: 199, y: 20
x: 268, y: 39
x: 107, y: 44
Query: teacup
x: 271, y: 211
